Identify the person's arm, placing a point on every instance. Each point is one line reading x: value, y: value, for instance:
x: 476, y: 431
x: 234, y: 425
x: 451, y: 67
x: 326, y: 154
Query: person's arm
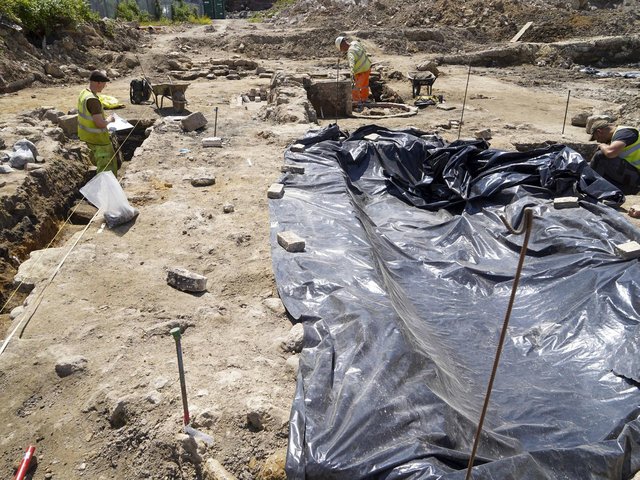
x: 97, y: 114
x: 100, y: 121
x: 613, y: 149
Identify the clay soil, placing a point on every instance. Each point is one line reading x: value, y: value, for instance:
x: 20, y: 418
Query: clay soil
x: 120, y: 415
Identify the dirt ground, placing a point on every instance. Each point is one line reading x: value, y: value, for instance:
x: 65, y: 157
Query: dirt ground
x: 108, y: 311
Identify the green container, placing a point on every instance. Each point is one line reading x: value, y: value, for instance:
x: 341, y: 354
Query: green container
x: 213, y: 8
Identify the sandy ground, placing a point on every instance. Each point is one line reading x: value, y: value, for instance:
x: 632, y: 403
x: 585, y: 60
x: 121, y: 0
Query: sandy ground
x: 120, y: 415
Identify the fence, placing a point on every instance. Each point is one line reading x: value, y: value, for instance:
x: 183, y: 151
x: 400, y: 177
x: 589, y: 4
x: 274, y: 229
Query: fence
x: 107, y: 8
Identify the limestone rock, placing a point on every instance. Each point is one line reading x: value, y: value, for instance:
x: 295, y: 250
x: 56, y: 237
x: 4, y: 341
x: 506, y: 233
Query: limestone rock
x: 275, y: 305
x: 429, y: 66
x: 274, y: 466
x: 291, y: 242
x: 484, y: 134
x: 203, y: 181
x: 69, y: 124
x: 186, y: 281
x: 69, y: 365
x: 213, y: 470
x: 275, y: 191
x: 580, y: 120
x: 593, y: 118
x: 37, y: 268
x: 193, y: 122
x: 292, y: 364
x: 295, y: 339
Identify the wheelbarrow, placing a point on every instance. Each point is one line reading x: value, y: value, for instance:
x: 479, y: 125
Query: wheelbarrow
x: 172, y: 91
x: 420, y: 79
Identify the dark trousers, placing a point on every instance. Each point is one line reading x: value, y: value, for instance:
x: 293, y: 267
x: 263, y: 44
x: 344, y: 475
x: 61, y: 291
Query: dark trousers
x: 617, y: 171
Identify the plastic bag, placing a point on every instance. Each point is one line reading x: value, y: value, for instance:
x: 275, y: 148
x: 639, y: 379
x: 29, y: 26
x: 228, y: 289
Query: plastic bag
x: 105, y: 193
x: 20, y: 157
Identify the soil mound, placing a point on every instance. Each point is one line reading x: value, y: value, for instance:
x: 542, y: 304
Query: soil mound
x: 67, y: 56
x: 496, y: 20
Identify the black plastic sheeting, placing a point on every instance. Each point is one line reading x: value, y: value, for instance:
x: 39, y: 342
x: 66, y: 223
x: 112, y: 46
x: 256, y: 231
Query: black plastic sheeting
x: 402, y: 290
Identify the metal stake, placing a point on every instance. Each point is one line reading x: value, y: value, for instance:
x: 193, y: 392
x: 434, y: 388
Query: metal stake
x: 565, y: 112
x: 176, y: 336
x: 464, y: 102
x: 337, y: 88
x: 215, y: 123
x: 526, y: 228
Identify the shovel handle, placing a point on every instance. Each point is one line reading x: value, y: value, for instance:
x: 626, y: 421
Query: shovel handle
x: 183, y: 387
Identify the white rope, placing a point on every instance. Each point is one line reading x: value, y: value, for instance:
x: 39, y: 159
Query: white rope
x: 26, y: 319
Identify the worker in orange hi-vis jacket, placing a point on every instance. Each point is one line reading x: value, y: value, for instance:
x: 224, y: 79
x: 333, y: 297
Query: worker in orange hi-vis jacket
x: 360, y: 66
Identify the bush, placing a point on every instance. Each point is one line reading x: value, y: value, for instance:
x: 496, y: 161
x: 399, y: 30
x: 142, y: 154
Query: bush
x: 130, y: 11
x: 183, y: 12
x: 43, y: 17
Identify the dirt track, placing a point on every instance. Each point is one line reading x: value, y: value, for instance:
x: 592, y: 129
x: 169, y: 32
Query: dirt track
x: 119, y: 416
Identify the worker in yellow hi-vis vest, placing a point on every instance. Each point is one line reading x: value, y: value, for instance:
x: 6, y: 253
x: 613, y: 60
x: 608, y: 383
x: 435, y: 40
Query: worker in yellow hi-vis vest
x: 618, y: 155
x: 360, y: 65
x: 92, y: 124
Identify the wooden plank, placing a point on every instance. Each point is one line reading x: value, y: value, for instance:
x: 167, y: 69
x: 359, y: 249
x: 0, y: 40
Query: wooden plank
x: 521, y: 32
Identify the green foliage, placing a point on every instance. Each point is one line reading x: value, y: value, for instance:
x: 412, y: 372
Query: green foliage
x: 204, y: 20
x: 42, y: 17
x: 130, y: 11
x: 183, y: 12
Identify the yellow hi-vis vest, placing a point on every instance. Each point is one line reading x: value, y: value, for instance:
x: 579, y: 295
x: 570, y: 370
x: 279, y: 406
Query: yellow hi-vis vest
x: 631, y: 153
x: 87, y: 129
x: 358, y: 58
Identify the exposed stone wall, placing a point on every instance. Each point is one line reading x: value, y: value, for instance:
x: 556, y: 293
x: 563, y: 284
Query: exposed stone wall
x: 599, y: 52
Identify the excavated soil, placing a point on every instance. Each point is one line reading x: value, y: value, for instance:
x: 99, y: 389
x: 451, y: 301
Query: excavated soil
x: 91, y: 380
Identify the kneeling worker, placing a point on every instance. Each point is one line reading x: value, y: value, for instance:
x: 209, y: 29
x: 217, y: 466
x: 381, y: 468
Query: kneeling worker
x: 618, y: 157
x: 92, y: 124
x: 360, y: 66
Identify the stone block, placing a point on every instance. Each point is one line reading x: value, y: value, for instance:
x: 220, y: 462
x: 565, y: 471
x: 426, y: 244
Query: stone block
x: 373, y: 137
x: 291, y: 242
x: 69, y: 124
x: 203, y: 181
x: 53, y: 115
x: 82, y: 214
x: 565, y: 202
x: 212, y: 142
x: 593, y: 118
x: 69, y: 365
x: 37, y: 268
x: 297, y: 147
x: 628, y: 250
x: 444, y: 106
x: 186, y: 281
x: 213, y: 470
x: 580, y: 120
x: 276, y: 190
x: 295, y: 339
x: 291, y: 169
x: 193, y: 122
x: 484, y: 134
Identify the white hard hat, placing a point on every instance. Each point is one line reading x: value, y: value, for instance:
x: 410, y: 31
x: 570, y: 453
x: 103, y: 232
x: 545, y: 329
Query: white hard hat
x: 339, y: 41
